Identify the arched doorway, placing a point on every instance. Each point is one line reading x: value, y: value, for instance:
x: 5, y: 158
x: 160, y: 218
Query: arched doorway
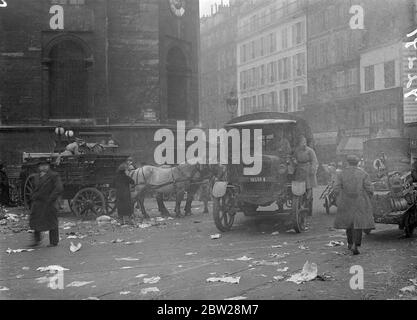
x: 177, y: 85
x: 68, y: 81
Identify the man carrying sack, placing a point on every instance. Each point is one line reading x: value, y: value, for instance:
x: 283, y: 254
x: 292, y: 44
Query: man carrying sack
x: 354, y: 208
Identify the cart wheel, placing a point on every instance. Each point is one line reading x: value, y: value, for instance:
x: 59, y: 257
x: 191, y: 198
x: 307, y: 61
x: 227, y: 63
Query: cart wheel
x: 89, y: 201
x: 327, y: 205
x: 367, y: 231
x: 28, y: 189
x: 110, y: 197
x: 224, y: 212
x: 299, y: 211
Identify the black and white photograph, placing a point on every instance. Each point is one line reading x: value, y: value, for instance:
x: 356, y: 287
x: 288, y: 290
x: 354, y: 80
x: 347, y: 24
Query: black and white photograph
x: 232, y: 151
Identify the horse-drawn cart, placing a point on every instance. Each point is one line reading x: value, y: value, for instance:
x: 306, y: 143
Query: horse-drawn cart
x: 87, y: 180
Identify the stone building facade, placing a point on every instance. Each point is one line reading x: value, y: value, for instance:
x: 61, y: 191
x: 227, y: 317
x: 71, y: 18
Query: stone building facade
x: 117, y: 67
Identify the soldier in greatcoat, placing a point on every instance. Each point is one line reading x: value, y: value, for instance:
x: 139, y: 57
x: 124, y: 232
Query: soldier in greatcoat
x: 354, y: 208
x: 43, y: 204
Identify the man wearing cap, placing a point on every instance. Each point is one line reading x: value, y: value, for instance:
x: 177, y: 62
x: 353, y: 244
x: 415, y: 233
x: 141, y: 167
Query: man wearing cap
x: 354, y: 208
x: 43, y: 204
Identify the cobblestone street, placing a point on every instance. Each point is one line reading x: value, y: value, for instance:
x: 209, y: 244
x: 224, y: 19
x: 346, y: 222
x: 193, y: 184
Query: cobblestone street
x: 178, y: 256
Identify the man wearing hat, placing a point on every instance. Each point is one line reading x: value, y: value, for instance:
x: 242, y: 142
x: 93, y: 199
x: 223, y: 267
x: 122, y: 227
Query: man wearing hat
x: 4, y: 187
x: 354, y: 211
x: 43, y: 204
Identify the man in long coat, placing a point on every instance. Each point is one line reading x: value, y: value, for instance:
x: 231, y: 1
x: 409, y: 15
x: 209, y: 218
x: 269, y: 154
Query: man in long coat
x: 354, y: 212
x: 4, y: 187
x: 43, y: 204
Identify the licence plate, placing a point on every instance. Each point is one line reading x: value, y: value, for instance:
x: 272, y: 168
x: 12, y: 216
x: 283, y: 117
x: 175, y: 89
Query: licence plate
x: 258, y: 179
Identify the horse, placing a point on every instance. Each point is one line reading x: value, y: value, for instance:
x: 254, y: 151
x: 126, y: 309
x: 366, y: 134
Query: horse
x: 164, y: 180
x: 209, y: 175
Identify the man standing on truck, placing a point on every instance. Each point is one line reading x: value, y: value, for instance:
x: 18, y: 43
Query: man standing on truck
x: 43, y: 204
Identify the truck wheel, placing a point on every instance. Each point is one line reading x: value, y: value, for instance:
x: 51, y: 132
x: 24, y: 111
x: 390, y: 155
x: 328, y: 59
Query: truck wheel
x: 224, y: 212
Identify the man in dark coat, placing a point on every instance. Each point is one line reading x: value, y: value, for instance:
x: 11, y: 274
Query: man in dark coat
x: 354, y: 208
x: 4, y: 187
x: 43, y: 204
x: 124, y: 204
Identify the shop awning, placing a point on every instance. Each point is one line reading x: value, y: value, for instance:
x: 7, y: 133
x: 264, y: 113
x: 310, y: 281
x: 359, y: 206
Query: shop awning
x: 351, y: 145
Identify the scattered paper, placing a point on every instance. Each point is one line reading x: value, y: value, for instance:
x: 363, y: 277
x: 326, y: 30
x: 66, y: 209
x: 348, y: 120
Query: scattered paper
x: 92, y: 298
x: 268, y: 263
x: 127, y: 259
x: 409, y: 289
x: 118, y: 241
x: 25, y: 268
x: 78, y: 284
x: 231, y: 280
x: 414, y: 281
x: 335, y: 244
x: 277, y: 246
x: 244, y: 258
x: 144, y: 225
x: 10, y: 251
x: 278, y: 255
x: 126, y: 268
x: 278, y: 278
x: 283, y: 269
x: 191, y: 253
x: 141, y: 275
x: 125, y: 293
x: 215, y: 236
x: 309, y: 273
x: 74, y: 248
x: 237, y: 298
x: 4, y: 289
x: 302, y: 247
x: 52, y: 269
x: 149, y: 290
x: 276, y: 233
x: 152, y: 280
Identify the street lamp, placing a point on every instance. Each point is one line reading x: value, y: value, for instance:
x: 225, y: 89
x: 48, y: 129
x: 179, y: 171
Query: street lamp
x: 232, y: 103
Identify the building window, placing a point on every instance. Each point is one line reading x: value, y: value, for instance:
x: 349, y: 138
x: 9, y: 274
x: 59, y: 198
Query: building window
x: 298, y: 33
x: 284, y: 38
x: 352, y: 77
x: 274, y: 100
x: 262, y: 67
x: 299, y: 65
x: 340, y: 79
x: 272, y: 43
x: 297, y: 94
x: 285, y: 100
x: 369, y: 78
x: 389, y: 74
x: 253, y: 54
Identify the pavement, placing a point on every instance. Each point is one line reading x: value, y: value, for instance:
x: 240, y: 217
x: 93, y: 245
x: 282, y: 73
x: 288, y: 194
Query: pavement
x: 172, y: 260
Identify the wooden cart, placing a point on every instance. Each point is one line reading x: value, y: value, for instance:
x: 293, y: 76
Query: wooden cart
x: 87, y: 180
